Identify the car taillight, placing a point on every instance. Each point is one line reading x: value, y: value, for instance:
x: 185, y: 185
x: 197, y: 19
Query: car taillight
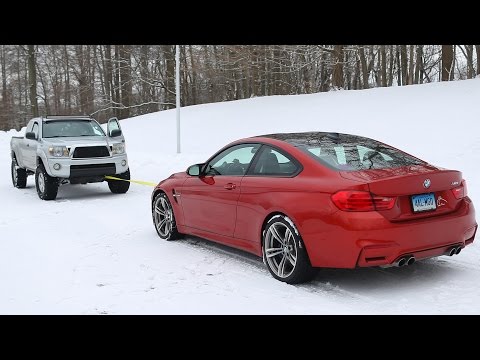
x: 361, y: 201
x: 460, y: 191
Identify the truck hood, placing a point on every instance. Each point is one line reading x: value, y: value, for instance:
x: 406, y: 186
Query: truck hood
x: 77, y: 141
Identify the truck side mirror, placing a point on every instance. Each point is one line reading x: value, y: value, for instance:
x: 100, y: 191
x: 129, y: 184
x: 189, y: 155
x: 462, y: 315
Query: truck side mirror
x: 115, y: 133
x: 31, y: 135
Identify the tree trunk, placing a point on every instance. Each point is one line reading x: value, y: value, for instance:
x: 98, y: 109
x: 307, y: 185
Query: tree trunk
x: 32, y: 80
x: 363, y: 62
x: 4, y: 78
x: 169, y: 56
x: 447, y: 62
x: 337, y: 75
x: 390, y: 68
x: 469, y: 56
x: 477, y: 48
x: 68, y: 95
x: 418, y: 78
x: 125, y: 77
x: 404, y: 64
x: 193, y: 71
x: 410, y: 65
x: 383, y: 66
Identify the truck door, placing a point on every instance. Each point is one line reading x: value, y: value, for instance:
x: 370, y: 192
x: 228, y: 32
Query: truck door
x: 30, y: 148
x: 114, y: 131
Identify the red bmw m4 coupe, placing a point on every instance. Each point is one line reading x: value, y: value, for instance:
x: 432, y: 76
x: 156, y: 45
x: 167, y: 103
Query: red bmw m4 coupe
x: 315, y: 199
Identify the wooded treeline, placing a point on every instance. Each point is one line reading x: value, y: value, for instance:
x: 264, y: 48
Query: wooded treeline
x: 129, y: 80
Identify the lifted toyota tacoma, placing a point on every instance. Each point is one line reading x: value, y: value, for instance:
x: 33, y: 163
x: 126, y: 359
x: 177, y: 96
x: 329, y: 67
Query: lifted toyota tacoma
x: 69, y: 149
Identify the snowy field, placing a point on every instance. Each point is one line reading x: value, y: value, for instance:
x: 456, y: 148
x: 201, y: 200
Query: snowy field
x: 92, y: 252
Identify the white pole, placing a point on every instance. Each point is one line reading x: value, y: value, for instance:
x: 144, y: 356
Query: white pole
x: 177, y: 93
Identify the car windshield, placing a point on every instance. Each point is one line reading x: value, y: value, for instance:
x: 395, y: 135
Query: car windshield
x: 349, y: 152
x: 71, y: 128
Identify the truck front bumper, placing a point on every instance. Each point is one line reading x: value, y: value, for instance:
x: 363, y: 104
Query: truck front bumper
x: 73, y: 168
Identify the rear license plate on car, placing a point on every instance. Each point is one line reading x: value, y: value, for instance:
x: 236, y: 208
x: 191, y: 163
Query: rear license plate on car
x: 424, y: 202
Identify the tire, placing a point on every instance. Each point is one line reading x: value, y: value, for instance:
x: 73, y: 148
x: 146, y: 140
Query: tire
x: 284, y: 252
x: 19, y: 176
x: 47, y: 186
x: 164, y: 218
x: 118, y: 186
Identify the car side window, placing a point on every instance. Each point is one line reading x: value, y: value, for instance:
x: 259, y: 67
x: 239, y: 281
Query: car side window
x: 35, y: 129
x: 273, y: 162
x: 232, y: 161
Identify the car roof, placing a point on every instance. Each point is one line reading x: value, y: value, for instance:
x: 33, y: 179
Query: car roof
x: 312, y: 137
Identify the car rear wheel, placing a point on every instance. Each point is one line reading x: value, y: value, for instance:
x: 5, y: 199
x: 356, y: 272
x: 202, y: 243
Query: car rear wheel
x: 284, y: 252
x: 19, y: 176
x: 164, y: 218
x: 120, y: 186
x: 47, y: 186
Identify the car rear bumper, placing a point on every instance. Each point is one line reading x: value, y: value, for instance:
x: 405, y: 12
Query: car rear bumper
x: 368, y: 239
x: 73, y: 168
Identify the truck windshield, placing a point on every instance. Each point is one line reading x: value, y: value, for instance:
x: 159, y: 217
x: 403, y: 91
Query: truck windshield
x: 71, y: 128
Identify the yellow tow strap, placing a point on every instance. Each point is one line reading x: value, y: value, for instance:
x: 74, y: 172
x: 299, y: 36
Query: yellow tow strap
x: 133, y: 181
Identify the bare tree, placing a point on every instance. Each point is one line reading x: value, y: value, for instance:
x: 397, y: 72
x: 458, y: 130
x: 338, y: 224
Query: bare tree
x: 32, y: 80
x: 337, y: 76
x: 447, y: 62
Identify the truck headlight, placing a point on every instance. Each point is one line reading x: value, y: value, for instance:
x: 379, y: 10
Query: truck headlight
x: 58, y: 151
x: 118, y: 149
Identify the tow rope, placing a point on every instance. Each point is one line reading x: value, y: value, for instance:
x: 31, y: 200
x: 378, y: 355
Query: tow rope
x: 132, y: 181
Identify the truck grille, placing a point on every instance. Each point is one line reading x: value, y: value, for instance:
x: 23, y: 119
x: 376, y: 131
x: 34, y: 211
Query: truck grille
x: 92, y: 170
x: 91, y: 152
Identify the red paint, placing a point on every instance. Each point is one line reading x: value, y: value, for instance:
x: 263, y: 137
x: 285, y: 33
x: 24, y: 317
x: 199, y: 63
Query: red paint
x: 381, y: 228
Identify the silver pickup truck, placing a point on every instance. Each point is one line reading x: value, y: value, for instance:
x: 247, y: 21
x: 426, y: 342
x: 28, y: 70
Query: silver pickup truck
x: 69, y: 149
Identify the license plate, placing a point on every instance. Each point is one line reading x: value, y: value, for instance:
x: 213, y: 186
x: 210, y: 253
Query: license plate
x: 424, y: 202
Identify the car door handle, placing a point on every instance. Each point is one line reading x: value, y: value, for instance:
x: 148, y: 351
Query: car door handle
x: 230, y: 186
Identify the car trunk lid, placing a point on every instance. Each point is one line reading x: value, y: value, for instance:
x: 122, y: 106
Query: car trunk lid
x: 406, y: 183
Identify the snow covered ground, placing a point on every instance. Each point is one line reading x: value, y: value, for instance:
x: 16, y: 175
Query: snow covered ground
x: 92, y: 252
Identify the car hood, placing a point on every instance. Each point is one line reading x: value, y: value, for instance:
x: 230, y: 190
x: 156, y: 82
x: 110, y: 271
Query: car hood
x: 78, y: 141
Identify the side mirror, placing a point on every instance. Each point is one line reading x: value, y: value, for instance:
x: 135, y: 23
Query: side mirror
x: 194, y: 170
x: 31, y: 135
x: 115, y: 133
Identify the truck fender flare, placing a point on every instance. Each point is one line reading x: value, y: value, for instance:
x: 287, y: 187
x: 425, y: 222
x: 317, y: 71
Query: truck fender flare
x: 42, y: 159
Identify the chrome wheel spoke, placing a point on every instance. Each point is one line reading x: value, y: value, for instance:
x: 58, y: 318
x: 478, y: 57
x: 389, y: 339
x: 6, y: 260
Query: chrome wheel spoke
x: 160, y: 224
x: 288, y: 236
x: 159, y: 211
x: 276, y: 235
x: 293, y: 259
x: 167, y: 227
x: 273, y: 252
x: 281, y: 266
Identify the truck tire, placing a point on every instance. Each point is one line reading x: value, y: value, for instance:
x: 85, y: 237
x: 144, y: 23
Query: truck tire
x: 47, y: 186
x: 19, y: 176
x: 119, y: 186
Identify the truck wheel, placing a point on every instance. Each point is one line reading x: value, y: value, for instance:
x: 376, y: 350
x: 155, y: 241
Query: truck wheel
x: 47, y: 186
x: 19, y: 176
x: 119, y: 186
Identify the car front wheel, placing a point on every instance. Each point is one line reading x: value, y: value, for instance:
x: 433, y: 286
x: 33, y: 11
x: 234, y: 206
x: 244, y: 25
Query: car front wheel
x: 284, y: 252
x: 164, y: 218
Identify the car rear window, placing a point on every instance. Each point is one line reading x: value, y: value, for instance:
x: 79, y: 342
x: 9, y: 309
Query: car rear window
x: 348, y: 152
